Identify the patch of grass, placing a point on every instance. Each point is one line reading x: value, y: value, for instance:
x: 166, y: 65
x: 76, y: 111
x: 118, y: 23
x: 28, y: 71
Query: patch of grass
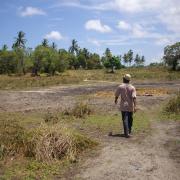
x: 141, y: 121
x: 29, y: 169
x: 109, y: 122
x: 103, y: 123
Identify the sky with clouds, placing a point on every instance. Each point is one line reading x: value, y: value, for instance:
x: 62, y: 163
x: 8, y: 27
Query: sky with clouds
x: 144, y: 26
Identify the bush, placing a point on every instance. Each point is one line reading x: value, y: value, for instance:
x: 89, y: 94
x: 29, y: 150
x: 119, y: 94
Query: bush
x: 173, y: 106
x: 45, y: 143
x: 57, y: 142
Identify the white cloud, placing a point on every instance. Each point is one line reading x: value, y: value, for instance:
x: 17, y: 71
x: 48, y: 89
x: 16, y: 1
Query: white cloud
x: 171, y: 18
x: 138, y: 31
x: 55, y: 35
x: 124, y: 25
x: 97, y: 26
x: 163, y: 41
x: 167, y: 12
x: 31, y: 11
x: 94, y: 41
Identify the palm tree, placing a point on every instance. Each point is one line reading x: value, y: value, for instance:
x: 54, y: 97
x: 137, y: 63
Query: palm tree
x: 4, y: 47
x: 137, y: 60
x: 125, y: 58
x: 45, y: 43
x: 74, y: 48
x: 86, y: 54
x: 54, y: 46
x: 130, y: 57
x: 20, y: 40
x: 19, y: 47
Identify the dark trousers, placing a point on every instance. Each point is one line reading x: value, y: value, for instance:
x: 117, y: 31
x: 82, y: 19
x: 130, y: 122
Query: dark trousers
x: 127, y: 118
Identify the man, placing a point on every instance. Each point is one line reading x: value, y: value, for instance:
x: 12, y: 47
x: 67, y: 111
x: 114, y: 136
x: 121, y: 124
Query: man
x: 127, y: 92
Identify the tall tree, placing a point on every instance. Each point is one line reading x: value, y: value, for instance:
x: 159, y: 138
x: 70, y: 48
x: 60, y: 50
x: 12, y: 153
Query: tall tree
x: 125, y: 58
x: 45, y: 43
x: 4, y: 47
x: 172, y: 56
x: 19, y: 47
x: 54, y: 46
x: 142, y: 60
x: 130, y: 57
x: 137, y: 60
x: 74, y: 48
x: 109, y: 60
x: 20, y: 40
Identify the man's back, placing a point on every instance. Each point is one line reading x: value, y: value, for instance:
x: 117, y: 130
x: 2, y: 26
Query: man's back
x: 127, y: 92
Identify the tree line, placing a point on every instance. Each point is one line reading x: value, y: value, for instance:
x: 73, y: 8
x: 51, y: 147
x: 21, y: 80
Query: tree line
x: 47, y: 58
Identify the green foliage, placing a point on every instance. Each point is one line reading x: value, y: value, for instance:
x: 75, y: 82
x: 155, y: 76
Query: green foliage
x: 110, y: 61
x: 8, y: 62
x: 49, y: 59
x: 172, y: 56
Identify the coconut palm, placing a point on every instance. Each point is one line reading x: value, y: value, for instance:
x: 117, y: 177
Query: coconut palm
x: 45, y: 43
x: 74, y: 48
x: 4, y: 47
x: 54, y: 46
x: 20, y: 40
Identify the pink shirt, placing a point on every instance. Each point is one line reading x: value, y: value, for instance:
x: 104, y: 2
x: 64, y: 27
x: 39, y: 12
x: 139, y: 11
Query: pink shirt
x: 127, y: 92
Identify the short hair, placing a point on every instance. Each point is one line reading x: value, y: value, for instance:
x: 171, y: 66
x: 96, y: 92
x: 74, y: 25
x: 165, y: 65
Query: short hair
x: 125, y: 80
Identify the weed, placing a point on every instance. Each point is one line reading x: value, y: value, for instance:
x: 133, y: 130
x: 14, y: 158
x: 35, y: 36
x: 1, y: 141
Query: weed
x: 80, y: 110
x: 52, y: 118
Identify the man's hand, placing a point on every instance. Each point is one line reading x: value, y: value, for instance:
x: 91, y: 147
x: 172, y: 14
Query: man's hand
x: 135, y: 109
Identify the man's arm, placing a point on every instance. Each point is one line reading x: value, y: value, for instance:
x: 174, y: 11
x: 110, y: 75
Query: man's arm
x: 134, y: 101
x: 117, y: 93
x: 116, y: 99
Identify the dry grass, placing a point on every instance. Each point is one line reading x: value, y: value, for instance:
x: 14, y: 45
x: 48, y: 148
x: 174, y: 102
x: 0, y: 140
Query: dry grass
x: 77, y: 76
x: 80, y: 110
x: 45, y: 143
x: 57, y: 142
x: 140, y: 92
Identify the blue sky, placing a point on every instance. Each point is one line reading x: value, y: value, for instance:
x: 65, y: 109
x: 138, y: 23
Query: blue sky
x: 144, y: 26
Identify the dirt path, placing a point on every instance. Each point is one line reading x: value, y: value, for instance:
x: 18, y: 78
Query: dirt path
x: 137, y: 158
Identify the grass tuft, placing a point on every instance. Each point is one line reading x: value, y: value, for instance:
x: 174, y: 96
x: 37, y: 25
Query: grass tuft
x: 173, y: 106
x: 80, y: 110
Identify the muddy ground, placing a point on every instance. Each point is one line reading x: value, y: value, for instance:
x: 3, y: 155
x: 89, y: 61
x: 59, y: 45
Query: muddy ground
x: 151, y: 157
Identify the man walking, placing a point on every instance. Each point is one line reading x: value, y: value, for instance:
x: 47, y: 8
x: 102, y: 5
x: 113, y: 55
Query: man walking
x: 127, y: 92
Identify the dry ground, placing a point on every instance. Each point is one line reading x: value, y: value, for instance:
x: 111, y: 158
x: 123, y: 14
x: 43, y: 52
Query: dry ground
x: 151, y: 157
